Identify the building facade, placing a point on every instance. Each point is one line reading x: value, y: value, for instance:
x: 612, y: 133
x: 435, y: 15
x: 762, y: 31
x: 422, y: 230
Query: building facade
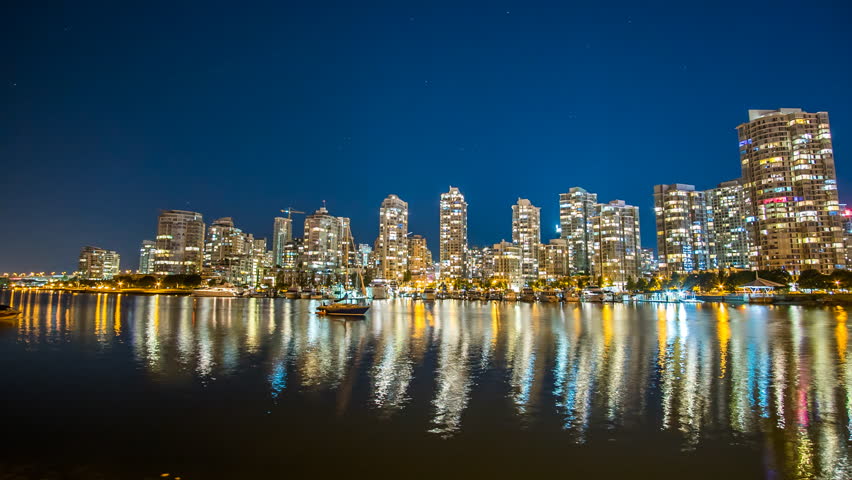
x: 506, y: 265
x: 328, y: 244
x: 682, y: 233
x: 96, y: 263
x: 232, y: 255
x: 789, y: 177
x: 576, y: 209
x: 526, y: 234
x: 554, y: 260
x: 147, y: 252
x: 729, y: 238
x: 180, y: 243
x: 453, y: 234
x: 617, y: 252
x: 419, y: 258
x: 391, y: 248
x: 282, y: 232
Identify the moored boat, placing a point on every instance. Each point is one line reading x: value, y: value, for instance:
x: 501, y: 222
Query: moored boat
x: 292, y: 293
x: 215, y: 292
x: 428, y: 294
x: 380, y: 291
x: 548, y: 296
x: 510, y: 296
x: 343, y: 309
x: 527, y: 294
x: 8, y: 313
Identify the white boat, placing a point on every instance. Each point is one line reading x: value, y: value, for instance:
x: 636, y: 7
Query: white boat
x: 428, y: 294
x: 215, y: 292
x: 380, y: 292
x: 306, y: 294
x: 592, y: 294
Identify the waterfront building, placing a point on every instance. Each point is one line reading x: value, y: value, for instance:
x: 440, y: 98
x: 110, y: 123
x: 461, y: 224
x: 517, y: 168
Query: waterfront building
x: 506, y: 264
x: 419, y: 258
x: 681, y: 219
x: 847, y: 233
x: 453, y: 234
x: 282, y: 232
x: 617, y: 256
x: 526, y: 234
x: 328, y: 245
x: 391, y: 248
x: 96, y: 263
x: 146, y: 257
x: 648, y: 267
x: 728, y: 235
x: 363, y: 255
x: 576, y: 209
x: 477, y: 263
x: 227, y: 252
x: 554, y: 262
x: 789, y: 176
x: 180, y: 243
x: 260, y: 260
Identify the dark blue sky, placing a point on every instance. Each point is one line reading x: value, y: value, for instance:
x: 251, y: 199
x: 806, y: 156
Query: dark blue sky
x: 110, y: 112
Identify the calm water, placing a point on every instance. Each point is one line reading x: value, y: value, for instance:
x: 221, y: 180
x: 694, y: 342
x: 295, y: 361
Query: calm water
x: 106, y: 386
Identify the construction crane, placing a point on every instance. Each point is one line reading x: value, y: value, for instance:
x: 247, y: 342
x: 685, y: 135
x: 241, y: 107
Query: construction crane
x: 290, y: 211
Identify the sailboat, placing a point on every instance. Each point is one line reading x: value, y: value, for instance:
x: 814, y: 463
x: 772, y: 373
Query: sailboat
x: 339, y: 307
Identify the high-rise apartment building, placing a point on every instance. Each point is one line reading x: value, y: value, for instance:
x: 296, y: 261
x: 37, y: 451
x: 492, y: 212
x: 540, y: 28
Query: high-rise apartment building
x: 453, y: 225
x: 227, y: 252
x: 478, y: 263
x: 282, y: 232
x: 526, y: 234
x: 788, y: 173
x: 506, y: 264
x: 391, y: 248
x: 617, y: 252
x: 180, y: 243
x: 554, y: 259
x: 576, y: 209
x: 328, y: 243
x: 728, y: 235
x: 146, y: 256
x: 419, y: 258
x: 96, y: 263
x: 682, y: 237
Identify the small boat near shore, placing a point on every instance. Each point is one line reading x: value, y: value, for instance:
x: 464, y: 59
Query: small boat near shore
x: 8, y: 313
x: 215, y: 292
x: 293, y: 293
x: 337, y: 308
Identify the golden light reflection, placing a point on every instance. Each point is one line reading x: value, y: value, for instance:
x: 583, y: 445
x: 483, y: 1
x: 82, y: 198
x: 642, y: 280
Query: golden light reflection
x: 841, y: 333
x: 723, y: 332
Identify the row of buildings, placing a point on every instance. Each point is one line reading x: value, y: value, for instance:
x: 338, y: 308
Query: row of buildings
x: 783, y: 213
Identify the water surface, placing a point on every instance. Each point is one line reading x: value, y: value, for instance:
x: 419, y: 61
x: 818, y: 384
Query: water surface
x: 117, y: 386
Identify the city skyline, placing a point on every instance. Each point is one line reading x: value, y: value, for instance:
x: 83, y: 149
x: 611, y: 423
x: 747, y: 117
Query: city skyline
x: 246, y: 122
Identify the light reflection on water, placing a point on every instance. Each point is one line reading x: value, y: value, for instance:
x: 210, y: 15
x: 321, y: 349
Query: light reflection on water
x: 772, y: 379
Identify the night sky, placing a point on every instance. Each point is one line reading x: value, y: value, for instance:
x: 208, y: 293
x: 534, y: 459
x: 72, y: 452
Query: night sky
x: 110, y: 112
